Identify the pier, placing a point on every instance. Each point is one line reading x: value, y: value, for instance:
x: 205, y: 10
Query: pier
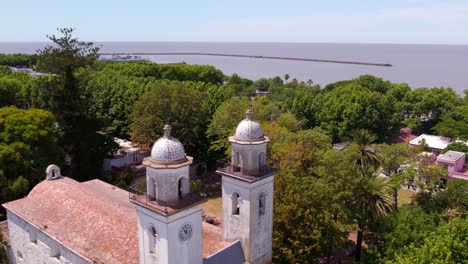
x: 246, y: 56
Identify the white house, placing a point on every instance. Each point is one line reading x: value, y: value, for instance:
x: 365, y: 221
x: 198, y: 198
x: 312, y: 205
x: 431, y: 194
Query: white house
x: 436, y: 143
x: 128, y: 154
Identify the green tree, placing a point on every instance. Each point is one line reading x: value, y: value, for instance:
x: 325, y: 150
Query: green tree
x: 427, y: 106
x: 393, y: 157
x: 351, y: 106
x: 410, y: 225
x: 68, y: 103
x: 458, y: 146
x: 445, y: 245
x: 9, y: 90
x: 28, y: 144
x: 304, y: 227
x: 367, y: 156
x: 286, y: 77
x: 18, y: 60
x: 371, y: 200
x: 262, y: 84
x: 309, y: 203
x: 454, y: 124
x: 177, y: 105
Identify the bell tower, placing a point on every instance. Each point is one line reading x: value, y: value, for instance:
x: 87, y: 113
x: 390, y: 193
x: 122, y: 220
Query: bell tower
x: 169, y: 215
x: 247, y: 189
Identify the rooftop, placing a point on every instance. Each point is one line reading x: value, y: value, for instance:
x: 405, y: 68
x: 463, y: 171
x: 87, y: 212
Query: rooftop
x: 435, y: 142
x: 403, y: 135
x: 126, y: 145
x: 451, y: 156
x: 89, y: 217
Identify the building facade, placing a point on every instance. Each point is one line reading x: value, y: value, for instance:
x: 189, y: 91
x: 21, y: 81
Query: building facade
x: 65, y: 221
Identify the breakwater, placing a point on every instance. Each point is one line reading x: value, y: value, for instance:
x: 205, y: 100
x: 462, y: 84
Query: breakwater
x: 246, y: 56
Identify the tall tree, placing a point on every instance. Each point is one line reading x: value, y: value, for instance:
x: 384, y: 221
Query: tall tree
x: 371, y: 195
x: 178, y: 105
x: 371, y: 199
x: 85, y: 147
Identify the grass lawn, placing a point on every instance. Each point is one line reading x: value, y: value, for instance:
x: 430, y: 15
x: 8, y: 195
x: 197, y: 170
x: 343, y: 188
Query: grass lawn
x: 213, y: 206
x: 405, y: 196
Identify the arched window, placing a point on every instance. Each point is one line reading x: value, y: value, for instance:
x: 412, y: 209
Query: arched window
x: 183, y: 187
x: 261, y: 204
x: 237, y: 162
x: 151, y: 188
x: 235, y: 204
x: 179, y: 188
x: 261, y: 161
x: 152, y: 239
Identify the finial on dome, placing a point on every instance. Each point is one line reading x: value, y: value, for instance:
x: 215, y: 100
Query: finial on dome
x: 167, y: 130
x: 249, y: 113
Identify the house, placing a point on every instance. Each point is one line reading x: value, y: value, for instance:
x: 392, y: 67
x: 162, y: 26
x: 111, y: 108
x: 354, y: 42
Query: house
x: 455, y: 163
x: 435, y: 143
x: 128, y: 154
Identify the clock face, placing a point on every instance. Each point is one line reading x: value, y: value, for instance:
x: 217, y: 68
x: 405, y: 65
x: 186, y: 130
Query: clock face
x: 185, y: 232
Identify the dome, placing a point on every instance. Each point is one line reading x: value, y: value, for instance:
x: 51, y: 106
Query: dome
x: 168, y: 149
x: 249, y: 129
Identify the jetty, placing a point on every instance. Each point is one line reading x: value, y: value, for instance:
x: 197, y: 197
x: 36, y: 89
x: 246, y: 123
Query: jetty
x: 243, y: 56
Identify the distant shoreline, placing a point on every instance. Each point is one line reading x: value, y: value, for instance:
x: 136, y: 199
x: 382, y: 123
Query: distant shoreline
x: 245, y: 56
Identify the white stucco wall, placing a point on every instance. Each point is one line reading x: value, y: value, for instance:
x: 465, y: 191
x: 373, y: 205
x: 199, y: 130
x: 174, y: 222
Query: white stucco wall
x: 249, y: 156
x: 25, y: 251
x: 254, y: 231
x: 163, y: 183
x: 124, y: 161
x: 169, y: 248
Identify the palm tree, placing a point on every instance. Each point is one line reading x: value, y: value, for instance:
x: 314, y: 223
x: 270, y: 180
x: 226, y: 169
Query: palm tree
x: 367, y: 155
x: 286, y: 77
x: 372, y: 198
x: 371, y: 195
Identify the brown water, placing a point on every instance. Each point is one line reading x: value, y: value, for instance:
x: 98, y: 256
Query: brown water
x: 417, y: 65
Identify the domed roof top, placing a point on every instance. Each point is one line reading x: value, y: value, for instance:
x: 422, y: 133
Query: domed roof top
x: 249, y: 129
x: 168, y: 149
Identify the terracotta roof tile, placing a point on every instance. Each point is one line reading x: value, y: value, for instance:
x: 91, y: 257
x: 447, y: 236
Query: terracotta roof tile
x: 94, y: 219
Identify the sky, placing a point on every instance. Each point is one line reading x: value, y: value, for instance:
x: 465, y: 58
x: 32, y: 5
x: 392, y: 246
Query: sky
x: 336, y: 21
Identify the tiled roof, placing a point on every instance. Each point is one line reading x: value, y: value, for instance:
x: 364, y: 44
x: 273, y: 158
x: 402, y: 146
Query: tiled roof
x: 94, y: 219
x: 248, y: 129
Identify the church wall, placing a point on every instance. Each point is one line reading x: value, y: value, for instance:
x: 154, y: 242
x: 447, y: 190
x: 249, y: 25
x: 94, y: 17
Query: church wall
x: 169, y: 248
x: 254, y: 231
x: 249, y: 155
x: 169, y: 177
x: 26, y: 251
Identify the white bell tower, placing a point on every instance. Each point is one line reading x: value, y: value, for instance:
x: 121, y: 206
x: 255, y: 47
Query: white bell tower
x: 169, y: 216
x: 248, y: 193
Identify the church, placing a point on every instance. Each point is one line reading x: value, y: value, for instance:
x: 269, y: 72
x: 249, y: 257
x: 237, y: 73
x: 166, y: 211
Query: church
x: 65, y: 221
